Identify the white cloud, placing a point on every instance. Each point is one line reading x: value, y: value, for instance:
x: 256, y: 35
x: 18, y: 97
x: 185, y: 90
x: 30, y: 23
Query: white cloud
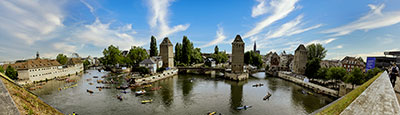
x: 338, y: 47
x: 219, y: 38
x: 67, y: 48
x: 291, y: 28
x: 280, y: 9
x: 159, y: 19
x: 30, y: 21
x: 323, y: 42
x: 260, y: 9
x: 374, y: 19
x: 101, y: 35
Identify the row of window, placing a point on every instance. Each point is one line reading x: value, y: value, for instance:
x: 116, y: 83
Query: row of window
x: 47, y: 73
x: 47, y: 68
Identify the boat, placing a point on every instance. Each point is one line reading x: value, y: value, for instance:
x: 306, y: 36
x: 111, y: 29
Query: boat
x: 141, y: 92
x: 212, y: 113
x: 243, y: 107
x: 119, y: 97
x: 258, y: 85
x: 147, y: 101
x: 122, y: 87
x: 90, y: 83
x: 267, y: 96
x: 95, y: 76
x: 145, y: 86
x: 89, y: 91
x: 125, y: 92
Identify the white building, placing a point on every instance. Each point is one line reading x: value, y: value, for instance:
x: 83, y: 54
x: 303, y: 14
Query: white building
x: 158, y: 61
x: 149, y: 64
x: 41, y: 69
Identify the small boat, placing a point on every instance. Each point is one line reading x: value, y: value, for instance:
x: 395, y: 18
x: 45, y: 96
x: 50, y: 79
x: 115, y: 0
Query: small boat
x: 122, y: 87
x: 95, y: 76
x: 99, y: 81
x: 258, y: 85
x: 89, y: 79
x: 212, y: 113
x: 90, y: 83
x: 125, y: 92
x: 145, y: 86
x: 141, y: 92
x: 243, y: 107
x: 89, y: 91
x: 99, y: 89
x: 147, y: 101
x: 119, y: 97
x: 267, y: 96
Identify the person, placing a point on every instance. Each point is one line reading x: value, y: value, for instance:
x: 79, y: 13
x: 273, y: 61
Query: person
x: 394, y: 72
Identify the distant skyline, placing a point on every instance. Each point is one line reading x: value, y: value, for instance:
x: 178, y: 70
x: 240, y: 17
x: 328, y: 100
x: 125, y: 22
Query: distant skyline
x: 345, y: 28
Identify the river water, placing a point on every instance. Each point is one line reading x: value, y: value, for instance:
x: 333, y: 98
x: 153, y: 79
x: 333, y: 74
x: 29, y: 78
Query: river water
x: 184, y: 95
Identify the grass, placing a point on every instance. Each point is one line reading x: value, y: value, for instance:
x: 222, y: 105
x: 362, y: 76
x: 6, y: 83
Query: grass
x: 339, y: 106
x: 26, y: 102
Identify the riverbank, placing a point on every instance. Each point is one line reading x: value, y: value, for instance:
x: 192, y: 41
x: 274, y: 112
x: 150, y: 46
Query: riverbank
x: 156, y: 77
x: 314, y: 87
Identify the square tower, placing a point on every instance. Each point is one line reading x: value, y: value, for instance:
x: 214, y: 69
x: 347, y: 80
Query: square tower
x: 166, y: 52
x: 237, y: 55
x: 300, y: 60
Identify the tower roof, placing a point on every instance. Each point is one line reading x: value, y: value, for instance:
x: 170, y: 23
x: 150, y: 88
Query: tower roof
x: 238, y: 39
x: 166, y: 42
x: 301, y: 47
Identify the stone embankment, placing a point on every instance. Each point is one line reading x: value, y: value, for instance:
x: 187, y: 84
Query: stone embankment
x: 236, y: 77
x: 7, y: 105
x: 378, y: 99
x: 314, y: 87
x: 157, y: 77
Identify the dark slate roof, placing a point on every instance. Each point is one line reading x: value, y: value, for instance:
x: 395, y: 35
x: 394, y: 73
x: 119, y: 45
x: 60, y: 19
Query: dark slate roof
x: 147, y: 61
x: 301, y: 47
x: 166, y: 42
x: 238, y: 39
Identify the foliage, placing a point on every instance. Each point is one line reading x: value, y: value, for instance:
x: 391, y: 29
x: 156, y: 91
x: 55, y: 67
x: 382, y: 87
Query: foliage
x: 141, y: 70
x: 356, y: 77
x: 1, y: 69
x: 372, y: 72
x: 316, y: 51
x: 178, y: 53
x: 187, y: 47
x: 322, y: 73
x: 253, y: 58
x: 159, y: 70
x: 153, y: 47
x: 338, y: 106
x: 86, y: 63
x: 336, y: 73
x: 312, y: 68
x: 196, y: 56
x: 62, y: 59
x: 136, y: 55
x: 220, y: 57
x: 216, y: 50
x: 112, y: 55
x: 11, y: 73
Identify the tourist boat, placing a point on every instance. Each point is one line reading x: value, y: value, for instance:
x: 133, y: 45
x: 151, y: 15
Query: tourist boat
x: 212, y: 113
x: 90, y: 83
x: 141, y: 92
x: 243, y: 107
x: 258, y: 85
x: 125, y: 92
x: 119, y: 97
x: 89, y: 91
x: 122, y: 87
x: 147, y: 101
x: 95, y: 76
x: 267, y: 96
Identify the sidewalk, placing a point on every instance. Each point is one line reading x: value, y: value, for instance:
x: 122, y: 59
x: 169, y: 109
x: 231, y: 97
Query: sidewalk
x: 397, y: 89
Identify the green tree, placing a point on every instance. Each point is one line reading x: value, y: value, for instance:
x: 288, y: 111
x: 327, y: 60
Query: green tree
x: 196, y: 56
x: 316, y: 51
x: 371, y: 73
x: 322, y: 73
x: 112, y: 55
x: 187, y: 47
x: 1, y: 69
x: 336, y: 73
x: 178, y: 53
x: 220, y: 57
x: 62, y: 59
x: 153, y: 47
x: 86, y: 63
x: 312, y: 68
x: 216, y: 50
x: 356, y: 78
x: 136, y: 55
x: 11, y: 73
x: 252, y: 58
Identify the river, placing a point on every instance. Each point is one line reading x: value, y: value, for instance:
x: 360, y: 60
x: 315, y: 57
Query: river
x: 184, y: 94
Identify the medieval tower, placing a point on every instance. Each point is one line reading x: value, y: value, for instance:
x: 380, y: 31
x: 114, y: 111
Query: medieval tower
x: 300, y: 60
x: 237, y: 55
x: 166, y: 53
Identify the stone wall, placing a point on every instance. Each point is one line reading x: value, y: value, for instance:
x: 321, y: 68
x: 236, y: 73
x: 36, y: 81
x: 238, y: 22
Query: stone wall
x: 7, y: 105
x: 154, y: 78
x: 378, y: 99
x: 300, y: 60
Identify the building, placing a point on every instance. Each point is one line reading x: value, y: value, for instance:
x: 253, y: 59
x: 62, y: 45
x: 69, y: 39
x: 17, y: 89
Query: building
x: 255, y: 48
x: 237, y: 55
x: 274, y: 62
x: 300, y: 60
x: 330, y: 63
x: 158, y: 61
x: 349, y: 63
x: 285, y: 61
x: 38, y: 69
x: 149, y: 64
x: 166, y: 53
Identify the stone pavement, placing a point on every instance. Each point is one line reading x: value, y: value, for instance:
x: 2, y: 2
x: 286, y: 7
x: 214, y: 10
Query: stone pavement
x: 7, y: 105
x: 397, y: 89
x: 378, y: 99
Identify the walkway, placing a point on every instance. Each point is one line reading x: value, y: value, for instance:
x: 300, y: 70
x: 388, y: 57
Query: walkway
x: 397, y: 89
x: 7, y: 105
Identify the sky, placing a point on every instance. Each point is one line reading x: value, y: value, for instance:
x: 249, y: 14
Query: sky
x: 344, y: 27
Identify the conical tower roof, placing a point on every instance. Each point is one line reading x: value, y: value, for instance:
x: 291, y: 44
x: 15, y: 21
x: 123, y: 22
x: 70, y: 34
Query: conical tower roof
x: 166, y: 42
x: 301, y: 47
x: 238, y: 39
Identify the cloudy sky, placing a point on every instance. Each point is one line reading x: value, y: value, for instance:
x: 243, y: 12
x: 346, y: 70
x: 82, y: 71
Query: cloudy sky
x: 353, y: 28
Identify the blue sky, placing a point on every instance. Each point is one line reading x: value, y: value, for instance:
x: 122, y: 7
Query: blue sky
x: 346, y: 28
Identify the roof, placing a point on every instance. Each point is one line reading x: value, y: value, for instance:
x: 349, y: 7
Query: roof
x: 33, y: 63
x: 301, y: 47
x: 147, y: 61
x: 166, y: 42
x: 238, y: 39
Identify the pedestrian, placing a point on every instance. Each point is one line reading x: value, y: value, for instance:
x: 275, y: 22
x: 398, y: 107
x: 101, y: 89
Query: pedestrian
x: 394, y: 72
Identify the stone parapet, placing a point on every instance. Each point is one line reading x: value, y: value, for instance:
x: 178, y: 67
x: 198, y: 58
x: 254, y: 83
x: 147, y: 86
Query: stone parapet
x: 7, y: 105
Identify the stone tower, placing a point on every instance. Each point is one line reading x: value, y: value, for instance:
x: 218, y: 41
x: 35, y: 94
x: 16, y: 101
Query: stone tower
x: 237, y: 55
x: 300, y: 60
x: 37, y: 55
x: 255, y: 47
x: 166, y: 53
